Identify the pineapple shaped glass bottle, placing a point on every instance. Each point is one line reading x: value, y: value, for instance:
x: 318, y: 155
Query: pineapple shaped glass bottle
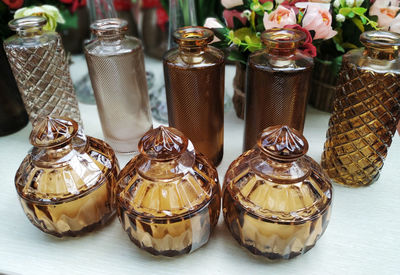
x: 277, y: 200
x: 40, y: 68
x: 168, y: 196
x: 366, y: 111
x: 66, y: 182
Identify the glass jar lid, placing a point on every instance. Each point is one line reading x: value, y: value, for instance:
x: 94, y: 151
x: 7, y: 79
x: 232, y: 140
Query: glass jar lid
x: 282, y: 143
x: 26, y: 23
x: 163, y: 143
x: 53, y: 131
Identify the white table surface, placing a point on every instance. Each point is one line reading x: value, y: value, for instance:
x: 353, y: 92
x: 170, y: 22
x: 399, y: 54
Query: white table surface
x: 363, y: 236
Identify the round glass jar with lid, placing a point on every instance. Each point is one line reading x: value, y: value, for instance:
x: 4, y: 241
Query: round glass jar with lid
x: 66, y: 182
x: 276, y: 199
x: 168, y: 196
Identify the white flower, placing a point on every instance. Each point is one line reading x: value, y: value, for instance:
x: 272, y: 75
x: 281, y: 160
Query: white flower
x: 279, y: 1
x: 228, y: 4
x: 51, y: 13
x: 359, y: 2
x: 340, y: 18
x: 212, y: 23
x: 336, y: 3
x: 354, y: 3
x: 246, y: 14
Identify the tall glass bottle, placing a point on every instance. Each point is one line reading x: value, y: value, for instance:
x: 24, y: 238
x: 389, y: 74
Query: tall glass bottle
x: 366, y: 111
x: 277, y: 86
x: 118, y: 76
x: 194, y: 81
x: 40, y: 69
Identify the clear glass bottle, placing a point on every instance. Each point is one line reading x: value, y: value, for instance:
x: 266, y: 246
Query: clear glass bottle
x: 194, y: 80
x: 41, y: 70
x: 278, y: 80
x: 168, y: 196
x: 66, y: 182
x: 118, y: 76
x: 276, y: 199
x: 366, y: 111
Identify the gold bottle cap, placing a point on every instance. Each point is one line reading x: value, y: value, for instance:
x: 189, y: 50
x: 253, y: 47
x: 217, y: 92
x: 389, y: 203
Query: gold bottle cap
x: 163, y: 143
x: 53, y: 131
x: 282, y: 143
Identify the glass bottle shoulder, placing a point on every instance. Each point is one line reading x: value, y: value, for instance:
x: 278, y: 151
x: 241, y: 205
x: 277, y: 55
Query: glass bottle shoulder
x: 263, y: 60
x: 126, y: 45
x: 209, y: 57
x: 362, y: 61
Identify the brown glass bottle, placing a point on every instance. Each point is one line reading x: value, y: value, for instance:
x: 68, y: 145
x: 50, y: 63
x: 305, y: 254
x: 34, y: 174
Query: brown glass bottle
x: 41, y: 71
x: 194, y: 80
x: 366, y: 111
x: 118, y: 76
x: 168, y: 197
x: 276, y: 199
x: 66, y: 183
x: 278, y: 80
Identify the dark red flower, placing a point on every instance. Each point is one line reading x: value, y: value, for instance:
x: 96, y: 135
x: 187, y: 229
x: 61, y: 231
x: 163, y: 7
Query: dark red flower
x: 74, y: 4
x: 13, y: 4
x: 307, y: 47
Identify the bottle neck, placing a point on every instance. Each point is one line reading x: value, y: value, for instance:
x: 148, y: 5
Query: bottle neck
x: 192, y: 54
x: 31, y: 32
x: 281, y: 55
x: 383, y: 54
x: 111, y: 40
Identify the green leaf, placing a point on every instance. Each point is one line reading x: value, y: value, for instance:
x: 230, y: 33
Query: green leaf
x: 358, y: 23
x: 235, y: 55
x: 71, y: 20
x: 363, y: 20
x: 359, y: 10
x: 256, y: 7
x: 351, y: 14
x: 345, y: 11
x: 268, y: 6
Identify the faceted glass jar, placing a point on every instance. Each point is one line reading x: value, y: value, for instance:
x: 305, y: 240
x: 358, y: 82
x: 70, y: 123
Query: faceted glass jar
x: 194, y: 80
x: 41, y: 70
x: 168, y: 196
x: 276, y: 199
x: 118, y: 76
x: 366, y: 111
x: 65, y: 184
x: 278, y: 80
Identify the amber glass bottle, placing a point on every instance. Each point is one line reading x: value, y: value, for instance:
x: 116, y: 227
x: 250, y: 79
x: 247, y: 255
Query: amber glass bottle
x: 277, y: 200
x: 194, y: 80
x: 118, y: 76
x: 168, y: 196
x: 277, y: 86
x: 366, y: 111
x: 66, y: 182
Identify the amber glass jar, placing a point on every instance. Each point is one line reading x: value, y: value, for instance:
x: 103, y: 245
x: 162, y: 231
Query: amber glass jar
x: 118, y: 76
x: 194, y: 80
x: 278, y: 80
x: 366, y: 111
x: 168, y: 196
x: 276, y: 199
x: 66, y: 182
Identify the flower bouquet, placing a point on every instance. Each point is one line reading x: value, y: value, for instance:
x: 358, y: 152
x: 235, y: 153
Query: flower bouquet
x: 331, y: 30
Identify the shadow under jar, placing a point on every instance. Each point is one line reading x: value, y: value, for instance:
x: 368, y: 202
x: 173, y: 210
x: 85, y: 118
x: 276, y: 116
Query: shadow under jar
x: 278, y: 79
x: 118, y: 76
x: 41, y: 70
x: 194, y: 80
x: 66, y: 183
x: 168, y: 196
x: 277, y: 200
x: 366, y: 111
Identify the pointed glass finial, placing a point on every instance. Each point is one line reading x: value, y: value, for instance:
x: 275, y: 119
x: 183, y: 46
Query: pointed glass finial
x: 53, y: 131
x: 163, y: 143
x: 282, y: 143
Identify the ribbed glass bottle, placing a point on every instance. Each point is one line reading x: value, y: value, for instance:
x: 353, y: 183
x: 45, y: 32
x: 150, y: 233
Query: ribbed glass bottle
x: 41, y: 70
x: 194, y: 80
x: 366, y: 111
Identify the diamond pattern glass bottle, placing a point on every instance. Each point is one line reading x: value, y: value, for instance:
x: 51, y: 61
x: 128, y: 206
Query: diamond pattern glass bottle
x: 168, y: 196
x: 41, y: 71
x: 366, y: 111
x: 277, y: 200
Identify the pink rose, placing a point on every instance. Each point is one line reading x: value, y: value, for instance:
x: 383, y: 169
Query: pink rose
x: 386, y: 10
x: 320, y: 21
x: 229, y: 14
x: 279, y: 18
x: 228, y: 4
